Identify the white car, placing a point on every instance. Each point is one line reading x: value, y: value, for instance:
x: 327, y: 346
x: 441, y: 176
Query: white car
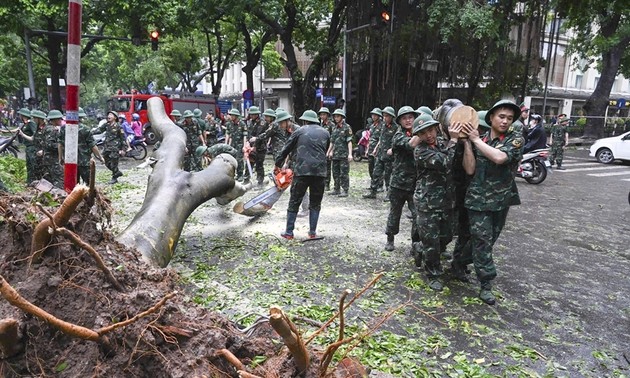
x: 608, y: 149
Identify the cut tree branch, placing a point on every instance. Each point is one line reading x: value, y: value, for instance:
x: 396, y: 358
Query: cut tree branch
x: 283, y: 326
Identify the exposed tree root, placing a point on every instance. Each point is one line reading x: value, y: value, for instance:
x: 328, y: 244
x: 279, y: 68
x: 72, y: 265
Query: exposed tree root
x: 41, y: 235
x: 285, y: 328
x: 330, y: 351
x: 232, y: 359
x: 10, y: 340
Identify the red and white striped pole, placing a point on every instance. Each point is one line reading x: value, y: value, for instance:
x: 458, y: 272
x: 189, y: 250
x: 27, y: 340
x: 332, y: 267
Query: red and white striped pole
x: 73, y: 80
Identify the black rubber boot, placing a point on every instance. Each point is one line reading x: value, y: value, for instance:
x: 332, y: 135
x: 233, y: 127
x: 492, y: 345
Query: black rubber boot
x: 313, y: 218
x: 389, y: 246
x: 288, y: 233
x: 485, y: 294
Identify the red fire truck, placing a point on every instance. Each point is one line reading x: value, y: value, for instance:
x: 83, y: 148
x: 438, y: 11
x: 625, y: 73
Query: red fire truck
x: 129, y: 103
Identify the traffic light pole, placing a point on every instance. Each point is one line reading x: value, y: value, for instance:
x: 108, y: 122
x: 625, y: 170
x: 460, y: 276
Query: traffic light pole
x: 345, y: 64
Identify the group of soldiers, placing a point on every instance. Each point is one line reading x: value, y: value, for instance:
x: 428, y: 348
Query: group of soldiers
x: 452, y: 178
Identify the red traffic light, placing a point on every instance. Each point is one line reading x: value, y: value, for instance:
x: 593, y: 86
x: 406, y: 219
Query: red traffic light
x: 155, y: 34
x: 385, y: 16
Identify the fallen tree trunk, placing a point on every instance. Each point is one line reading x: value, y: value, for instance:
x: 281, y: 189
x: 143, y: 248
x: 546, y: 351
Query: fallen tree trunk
x: 172, y: 193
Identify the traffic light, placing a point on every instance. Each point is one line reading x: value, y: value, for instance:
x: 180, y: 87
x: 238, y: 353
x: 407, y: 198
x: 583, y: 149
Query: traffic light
x: 154, y: 39
x: 385, y: 17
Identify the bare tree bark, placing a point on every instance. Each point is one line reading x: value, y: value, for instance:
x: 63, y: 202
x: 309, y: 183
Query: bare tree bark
x: 172, y: 193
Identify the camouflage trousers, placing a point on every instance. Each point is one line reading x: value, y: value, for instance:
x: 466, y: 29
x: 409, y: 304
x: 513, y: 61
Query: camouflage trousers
x: 31, y: 164
x: 485, y: 228
x: 111, y: 162
x: 371, y: 164
x: 341, y: 174
x: 299, y: 186
x: 462, y: 253
x: 556, y: 155
x: 397, y: 199
x: 258, y: 163
x: 84, y: 174
x: 436, y: 231
x: 328, y: 172
x: 382, y: 173
x: 53, y: 172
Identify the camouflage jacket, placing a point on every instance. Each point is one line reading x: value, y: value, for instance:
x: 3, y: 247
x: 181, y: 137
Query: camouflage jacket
x: 222, y: 148
x: 460, y: 178
x: 85, y: 143
x: 557, y: 134
x: 434, y: 168
x: 193, y: 130
x: 276, y: 137
x: 492, y: 187
x: 328, y: 125
x: 47, y: 140
x: 340, y: 137
x: 29, y: 129
x: 256, y: 129
x: 203, y: 125
x: 386, y: 139
x: 403, y: 168
x: 236, y: 131
x: 308, y: 146
x: 375, y: 134
x: 114, y: 137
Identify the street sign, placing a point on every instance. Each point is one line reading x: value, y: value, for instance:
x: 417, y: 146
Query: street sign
x: 318, y: 92
x: 224, y: 106
x: 248, y: 94
x: 247, y: 103
x: 621, y: 103
x: 330, y: 100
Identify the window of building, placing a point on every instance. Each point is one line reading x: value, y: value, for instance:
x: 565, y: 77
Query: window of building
x: 596, y: 81
x: 578, y: 81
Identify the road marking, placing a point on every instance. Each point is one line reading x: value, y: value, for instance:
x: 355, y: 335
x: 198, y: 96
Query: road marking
x: 609, y: 174
x: 625, y: 179
x: 573, y: 158
x: 581, y: 164
x: 590, y: 169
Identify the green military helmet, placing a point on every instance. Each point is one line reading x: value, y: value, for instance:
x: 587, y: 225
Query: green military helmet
x: 339, y: 112
x: 253, y: 110
x: 282, y: 115
x: 279, y: 109
x: 425, y: 109
x: 270, y: 112
x: 563, y: 120
x: 197, y: 113
x: 235, y: 112
x: 377, y: 111
x: 323, y: 109
x: 175, y: 113
x: 187, y: 114
x: 503, y: 104
x: 82, y: 113
x: 54, y: 114
x: 38, y: 114
x: 482, y: 119
x: 389, y: 110
x: 421, y: 122
x: 405, y: 110
x: 310, y: 116
x: 200, y: 150
x: 24, y: 112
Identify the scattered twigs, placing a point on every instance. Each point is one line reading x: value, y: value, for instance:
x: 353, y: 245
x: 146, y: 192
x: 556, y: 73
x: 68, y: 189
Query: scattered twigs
x: 356, y: 296
x: 232, y: 359
x: 330, y: 351
x: 150, y: 311
x: 92, y: 252
x: 41, y: 235
x: 10, y: 340
x: 285, y: 328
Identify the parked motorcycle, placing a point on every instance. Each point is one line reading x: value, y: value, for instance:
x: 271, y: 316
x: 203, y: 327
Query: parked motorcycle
x: 534, y: 166
x: 138, y: 146
x: 8, y: 147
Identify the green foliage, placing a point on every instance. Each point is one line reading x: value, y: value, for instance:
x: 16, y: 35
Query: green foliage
x: 272, y: 62
x: 13, y: 173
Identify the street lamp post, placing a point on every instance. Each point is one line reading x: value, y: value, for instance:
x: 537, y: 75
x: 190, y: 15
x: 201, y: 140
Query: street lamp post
x: 344, y: 69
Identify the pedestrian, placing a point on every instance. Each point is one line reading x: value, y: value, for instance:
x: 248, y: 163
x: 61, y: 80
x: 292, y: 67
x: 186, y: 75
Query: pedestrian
x: 384, y: 154
x: 340, y: 152
x: 86, y: 146
x: 236, y: 136
x: 462, y: 252
x: 194, y: 139
x: 536, y: 137
x: 403, y: 179
x: 375, y: 128
x: 115, y: 145
x: 434, y: 197
x: 256, y: 127
x: 28, y: 130
x: 326, y: 123
x: 559, y: 139
x: 492, y: 190
x: 308, y: 145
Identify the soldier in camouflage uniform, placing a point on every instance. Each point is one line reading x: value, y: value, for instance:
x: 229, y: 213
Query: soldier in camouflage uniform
x: 340, y: 151
x: 492, y: 190
x: 28, y: 130
x: 211, y: 132
x: 383, y: 153
x: 308, y: 145
x: 462, y: 253
x: 327, y: 124
x: 176, y: 116
x: 403, y: 179
x: 277, y: 133
x: 47, y: 144
x: 206, y: 154
x: 114, y: 146
x: 558, y: 140
x: 256, y: 127
x: 86, y: 146
x: 194, y: 139
x: 236, y: 136
x: 434, y: 194
x: 375, y: 133
x: 201, y: 122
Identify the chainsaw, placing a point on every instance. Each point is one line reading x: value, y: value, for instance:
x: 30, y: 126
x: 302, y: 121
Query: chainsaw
x: 282, y: 179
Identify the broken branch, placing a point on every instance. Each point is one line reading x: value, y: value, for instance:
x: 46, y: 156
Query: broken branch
x: 330, y: 351
x: 283, y: 326
x: 153, y: 309
x: 231, y: 358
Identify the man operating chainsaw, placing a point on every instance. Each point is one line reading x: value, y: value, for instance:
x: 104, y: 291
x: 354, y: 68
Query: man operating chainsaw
x: 308, y: 145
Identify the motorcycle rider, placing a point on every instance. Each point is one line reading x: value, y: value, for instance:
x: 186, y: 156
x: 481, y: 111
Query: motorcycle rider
x: 536, y: 137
